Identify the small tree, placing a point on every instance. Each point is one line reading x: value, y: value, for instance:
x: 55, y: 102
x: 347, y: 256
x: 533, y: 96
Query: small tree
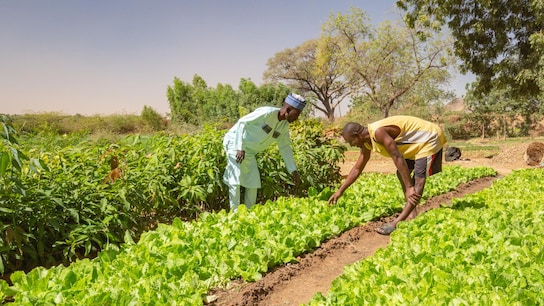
x: 153, y: 119
x: 312, y: 70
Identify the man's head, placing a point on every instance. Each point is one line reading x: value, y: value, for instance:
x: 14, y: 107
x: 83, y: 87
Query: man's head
x: 354, y: 134
x: 292, y: 107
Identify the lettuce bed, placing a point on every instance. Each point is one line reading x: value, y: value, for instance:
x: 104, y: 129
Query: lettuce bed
x: 486, y: 250
x: 179, y: 263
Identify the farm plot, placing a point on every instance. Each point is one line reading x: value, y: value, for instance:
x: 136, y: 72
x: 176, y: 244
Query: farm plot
x: 296, y: 283
x: 182, y: 262
x: 68, y: 197
x: 485, y: 250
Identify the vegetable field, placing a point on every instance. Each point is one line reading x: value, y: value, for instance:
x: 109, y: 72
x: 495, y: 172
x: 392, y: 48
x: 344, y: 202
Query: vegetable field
x: 141, y: 221
x: 485, y: 250
x: 180, y: 263
x: 69, y: 197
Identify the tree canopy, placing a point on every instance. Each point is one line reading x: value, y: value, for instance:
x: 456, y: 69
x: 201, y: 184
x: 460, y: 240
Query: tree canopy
x: 500, y: 41
x: 388, y: 65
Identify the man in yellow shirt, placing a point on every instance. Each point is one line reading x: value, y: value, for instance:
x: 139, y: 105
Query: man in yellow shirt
x: 414, y: 144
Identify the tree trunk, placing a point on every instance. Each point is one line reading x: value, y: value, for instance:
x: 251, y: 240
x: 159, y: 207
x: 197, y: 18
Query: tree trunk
x: 330, y: 116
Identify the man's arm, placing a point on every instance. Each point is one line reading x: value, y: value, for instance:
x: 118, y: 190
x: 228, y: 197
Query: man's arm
x: 386, y: 136
x: 354, y: 173
x: 257, y: 115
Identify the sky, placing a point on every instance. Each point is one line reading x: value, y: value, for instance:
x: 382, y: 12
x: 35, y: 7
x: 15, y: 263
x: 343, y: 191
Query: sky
x: 100, y: 57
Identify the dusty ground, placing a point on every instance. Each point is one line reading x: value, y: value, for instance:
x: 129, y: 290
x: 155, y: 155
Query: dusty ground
x: 296, y: 284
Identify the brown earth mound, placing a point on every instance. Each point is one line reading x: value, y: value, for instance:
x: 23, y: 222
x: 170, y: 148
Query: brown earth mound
x: 534, y: 153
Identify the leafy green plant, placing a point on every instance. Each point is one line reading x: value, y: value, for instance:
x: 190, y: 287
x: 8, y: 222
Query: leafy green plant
x: 71, y: 203
x: 317, y: 159
x: 15, y: 166
x: 486, y: 250
x: 182, y: 261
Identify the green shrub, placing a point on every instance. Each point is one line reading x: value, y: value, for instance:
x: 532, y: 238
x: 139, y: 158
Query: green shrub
x: 62, y: 205
x: 154, y: 121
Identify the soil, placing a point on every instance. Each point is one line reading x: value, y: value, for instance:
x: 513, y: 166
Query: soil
x: 296, y: 284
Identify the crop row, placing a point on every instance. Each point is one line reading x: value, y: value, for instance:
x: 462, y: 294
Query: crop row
x: 485, y: 250
x: 180, y: 263
x: 63, y: 198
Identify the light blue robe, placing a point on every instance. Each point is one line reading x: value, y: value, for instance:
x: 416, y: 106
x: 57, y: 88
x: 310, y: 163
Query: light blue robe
x: 254, y: 133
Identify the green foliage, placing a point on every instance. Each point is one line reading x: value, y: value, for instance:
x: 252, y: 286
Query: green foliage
x: 153, y: 120
x: 317, y: 159
x: 183, y: 261
x: 68, y: 203
x: 73, y: 210
x: 15, y: 168
x: 485, y: 251
x: 199, y: 104
x: 498, y: 40
x: 60, y: 124
x: 252, y: 97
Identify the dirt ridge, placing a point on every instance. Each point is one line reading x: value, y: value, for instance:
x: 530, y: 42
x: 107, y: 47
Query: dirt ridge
x: 295, y: 284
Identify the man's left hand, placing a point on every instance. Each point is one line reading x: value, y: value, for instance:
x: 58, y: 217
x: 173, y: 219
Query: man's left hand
x: 412, y: 196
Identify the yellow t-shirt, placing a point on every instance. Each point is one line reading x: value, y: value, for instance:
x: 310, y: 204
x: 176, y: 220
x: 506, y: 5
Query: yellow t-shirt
x: 418, y: 138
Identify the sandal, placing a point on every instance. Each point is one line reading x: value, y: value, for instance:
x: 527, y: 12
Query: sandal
x: 385, y: 229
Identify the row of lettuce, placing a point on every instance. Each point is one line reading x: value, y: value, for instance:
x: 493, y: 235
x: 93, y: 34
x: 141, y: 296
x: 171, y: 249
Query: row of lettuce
x: 58, y: 201
x: 486, y: 250
x: 180, y: 263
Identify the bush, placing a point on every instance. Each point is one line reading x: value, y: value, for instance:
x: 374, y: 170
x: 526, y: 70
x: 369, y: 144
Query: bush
x: 61, y: 205
x: 154, y: 121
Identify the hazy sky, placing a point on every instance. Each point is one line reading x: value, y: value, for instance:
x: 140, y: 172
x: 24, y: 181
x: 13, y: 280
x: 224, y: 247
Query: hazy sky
x: 115, y: 56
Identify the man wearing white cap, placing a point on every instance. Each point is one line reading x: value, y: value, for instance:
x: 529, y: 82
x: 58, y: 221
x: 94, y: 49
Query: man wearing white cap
x: 252, y: 134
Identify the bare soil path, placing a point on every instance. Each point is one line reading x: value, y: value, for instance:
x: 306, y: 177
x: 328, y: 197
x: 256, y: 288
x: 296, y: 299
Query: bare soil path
x: 295, y: 284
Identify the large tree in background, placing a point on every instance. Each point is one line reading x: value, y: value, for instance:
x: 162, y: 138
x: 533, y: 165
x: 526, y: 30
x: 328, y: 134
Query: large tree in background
x: 500, y: 41
x: 397, y: 66
x: 537, y: 43
x: 313, y: 70
x: 388, y: 65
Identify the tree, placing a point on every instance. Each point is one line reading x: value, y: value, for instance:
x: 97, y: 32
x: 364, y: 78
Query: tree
x: 395, y: 64
x: 484, y: 110
x: 196, y: 103
x: 388, y: 65
x: 181, y: 103
x: 312, y: 69
x: 500, y: 41
x: 253, y: 96
x: 222, y: 104
x: 153, y: 119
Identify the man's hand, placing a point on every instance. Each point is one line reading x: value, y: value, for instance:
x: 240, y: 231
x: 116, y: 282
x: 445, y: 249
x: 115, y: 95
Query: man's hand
x: 411, y: 196
x: 334, y: 197
x: 240, y: 155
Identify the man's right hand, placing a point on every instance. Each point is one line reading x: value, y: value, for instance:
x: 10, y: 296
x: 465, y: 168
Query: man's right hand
x: 334, y: 197
x: 240, y: 155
